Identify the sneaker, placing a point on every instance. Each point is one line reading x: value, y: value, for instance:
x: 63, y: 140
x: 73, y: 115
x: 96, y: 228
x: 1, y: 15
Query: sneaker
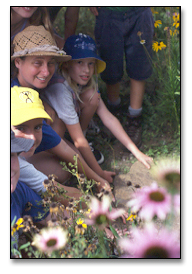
x: 134, y: 129
x: 93, y: 129
x: 98, y: 155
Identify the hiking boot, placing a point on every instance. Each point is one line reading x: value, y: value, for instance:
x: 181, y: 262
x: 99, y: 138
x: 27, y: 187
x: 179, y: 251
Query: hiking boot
x: 98, y: 155
x: 134, y: 129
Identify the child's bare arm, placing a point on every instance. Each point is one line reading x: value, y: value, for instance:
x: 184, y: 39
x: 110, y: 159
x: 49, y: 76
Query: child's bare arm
x: 82, y: 145
x: 113, y: 124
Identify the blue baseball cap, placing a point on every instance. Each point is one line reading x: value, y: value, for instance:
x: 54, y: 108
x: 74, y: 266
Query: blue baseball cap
x: 83, y: 46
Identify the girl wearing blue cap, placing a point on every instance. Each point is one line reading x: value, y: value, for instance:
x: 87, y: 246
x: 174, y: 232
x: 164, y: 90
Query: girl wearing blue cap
x: 76, y: 100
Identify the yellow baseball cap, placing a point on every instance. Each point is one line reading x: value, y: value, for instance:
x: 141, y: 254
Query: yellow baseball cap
x: 26, y: 105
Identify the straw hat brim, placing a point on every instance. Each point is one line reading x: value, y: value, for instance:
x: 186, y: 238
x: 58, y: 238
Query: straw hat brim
x: 58, y: 58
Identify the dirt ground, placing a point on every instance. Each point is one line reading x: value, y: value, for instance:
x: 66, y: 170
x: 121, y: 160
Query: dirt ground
x: 127, y: 169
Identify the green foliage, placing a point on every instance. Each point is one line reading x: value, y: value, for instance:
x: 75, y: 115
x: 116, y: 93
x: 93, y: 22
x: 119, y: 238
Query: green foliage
x: 166, y: 71
x: 86, y: 22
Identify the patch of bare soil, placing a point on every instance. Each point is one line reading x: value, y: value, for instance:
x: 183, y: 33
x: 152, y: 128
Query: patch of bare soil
x: 130, y: 175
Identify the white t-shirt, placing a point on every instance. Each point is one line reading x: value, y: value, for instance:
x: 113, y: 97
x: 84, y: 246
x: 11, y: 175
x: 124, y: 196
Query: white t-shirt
x: 60, y: 97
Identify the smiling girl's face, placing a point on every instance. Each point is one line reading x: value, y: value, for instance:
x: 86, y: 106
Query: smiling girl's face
x: 31, y: 129
x: 81, y: 70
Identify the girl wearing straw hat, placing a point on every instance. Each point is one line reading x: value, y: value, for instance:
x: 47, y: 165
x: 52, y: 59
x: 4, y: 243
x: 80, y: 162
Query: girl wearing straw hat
x: 35, y: 57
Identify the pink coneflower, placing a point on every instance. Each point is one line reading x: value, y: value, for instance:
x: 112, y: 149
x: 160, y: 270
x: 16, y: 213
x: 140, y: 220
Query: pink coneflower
x: 167, y: 172
x: 150, y: 244
x: 50, y: 239
x: 101, y: 214
x: 151, y: 201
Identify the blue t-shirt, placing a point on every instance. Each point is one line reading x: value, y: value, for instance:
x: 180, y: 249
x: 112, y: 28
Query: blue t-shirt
x: 50, y: 138
x: 19, y: 200
x: 19, y: 207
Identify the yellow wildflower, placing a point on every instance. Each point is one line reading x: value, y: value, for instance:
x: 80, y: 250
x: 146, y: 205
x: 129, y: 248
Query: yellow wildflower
x: 54, y: 208
x: 176, y: 19
x: 132, y: 217
x: 153, y: 11
x: 158, y: 46
x: 173, y: 33
x: 157, y: 23
x: 17, y: 226
x: 81, y: 227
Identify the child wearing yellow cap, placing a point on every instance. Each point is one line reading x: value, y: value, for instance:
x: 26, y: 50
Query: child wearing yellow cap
x: 27, y: 114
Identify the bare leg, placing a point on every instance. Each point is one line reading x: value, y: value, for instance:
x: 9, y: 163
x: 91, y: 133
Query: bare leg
x: 90, y: 101
x: 137, y: 90
x: 71, y: 192
x: 134, y: 129
x: 49, y: 164
x: 57, y: 123
x: 113, y: 92
x: 59, y: 126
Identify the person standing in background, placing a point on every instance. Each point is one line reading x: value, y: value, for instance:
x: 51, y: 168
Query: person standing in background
x: 118, y: 31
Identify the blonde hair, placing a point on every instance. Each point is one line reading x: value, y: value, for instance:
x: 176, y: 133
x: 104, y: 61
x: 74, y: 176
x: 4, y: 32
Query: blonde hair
x: 92, y: 84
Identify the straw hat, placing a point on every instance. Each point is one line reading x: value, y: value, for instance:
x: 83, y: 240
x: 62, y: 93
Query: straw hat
x: 37, y: 41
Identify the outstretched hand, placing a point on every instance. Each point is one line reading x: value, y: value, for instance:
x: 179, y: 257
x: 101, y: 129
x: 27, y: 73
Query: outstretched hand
x: 144, y: 159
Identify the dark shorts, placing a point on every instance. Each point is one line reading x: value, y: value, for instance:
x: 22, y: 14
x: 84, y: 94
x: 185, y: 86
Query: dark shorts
x: 116, y: 35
